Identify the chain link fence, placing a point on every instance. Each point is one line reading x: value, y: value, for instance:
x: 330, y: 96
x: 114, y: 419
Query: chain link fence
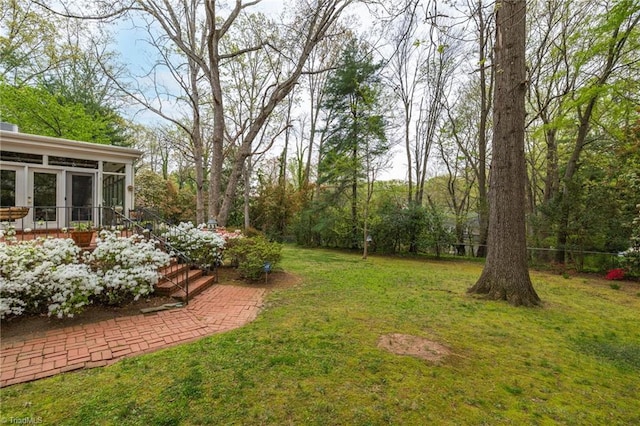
x: 578, y: 260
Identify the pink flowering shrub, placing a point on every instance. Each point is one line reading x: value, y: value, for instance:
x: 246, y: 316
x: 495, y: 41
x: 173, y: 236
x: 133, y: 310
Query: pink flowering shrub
x: 228, y: 235
x: 615, y: 274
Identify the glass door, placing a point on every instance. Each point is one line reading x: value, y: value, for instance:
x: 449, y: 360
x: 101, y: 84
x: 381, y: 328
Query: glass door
x: 13, y: 211
x: 45, y: 198
x: 80, y: 198
x: 7, y: 188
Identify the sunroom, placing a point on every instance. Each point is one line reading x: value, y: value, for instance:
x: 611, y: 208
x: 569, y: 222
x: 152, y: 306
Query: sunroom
x: 50, y: 183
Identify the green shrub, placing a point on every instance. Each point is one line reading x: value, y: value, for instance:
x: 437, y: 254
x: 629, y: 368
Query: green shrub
x: 252, y: 254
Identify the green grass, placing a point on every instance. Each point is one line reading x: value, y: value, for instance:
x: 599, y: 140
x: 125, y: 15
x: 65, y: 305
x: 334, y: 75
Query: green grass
x: 311, y: 357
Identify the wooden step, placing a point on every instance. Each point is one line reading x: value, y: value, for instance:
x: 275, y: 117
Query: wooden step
x: 167, y: 286
x: 173, y: 281
x: 196, y: 287
x: 168, y: 277
x: 173, y: 269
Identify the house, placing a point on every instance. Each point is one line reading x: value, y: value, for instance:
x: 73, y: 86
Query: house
x: 62, y: 181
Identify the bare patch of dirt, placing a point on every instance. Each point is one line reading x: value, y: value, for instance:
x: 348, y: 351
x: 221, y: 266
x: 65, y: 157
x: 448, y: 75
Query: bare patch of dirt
x: 419, y: 347
x: 36, y: 325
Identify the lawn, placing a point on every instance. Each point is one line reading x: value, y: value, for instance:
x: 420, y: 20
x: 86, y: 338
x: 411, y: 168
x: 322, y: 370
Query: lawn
x: 311, y: 357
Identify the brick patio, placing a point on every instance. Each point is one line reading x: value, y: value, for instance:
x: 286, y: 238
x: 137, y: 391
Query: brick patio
x: 217, y: 309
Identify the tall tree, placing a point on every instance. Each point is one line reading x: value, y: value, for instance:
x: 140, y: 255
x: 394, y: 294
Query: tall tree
x: 477, y: 93
x: 38, y: 111
x: 454, y: 147
x: 51, y: 78
x: 617, y: 28
x: 246, y: 79
x: 29, y: 44
x: 506, y: 274
x: 438, y: 70
x: 324, y: 57
x: 406, y: 74
x: 486, y: 83
x: 353, y: 93
x: 312, y: 21
x: 584, y: 76
x: 176, y: 91
x: 480, y: 90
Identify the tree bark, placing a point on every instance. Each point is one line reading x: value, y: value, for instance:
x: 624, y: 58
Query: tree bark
x: 213, y: 37
x: 248, y: 171
x: 197, y: 143
x: 506, y: 274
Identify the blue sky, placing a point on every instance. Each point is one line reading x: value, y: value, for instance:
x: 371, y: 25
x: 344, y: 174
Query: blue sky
x: 136, y: 53
x: 138, y: 56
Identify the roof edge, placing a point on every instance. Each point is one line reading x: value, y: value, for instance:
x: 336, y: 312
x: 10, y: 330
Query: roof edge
x: 10, y: 136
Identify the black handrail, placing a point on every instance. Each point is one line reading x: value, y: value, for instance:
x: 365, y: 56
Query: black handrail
x: 152, y: 220
x: 184, y: 258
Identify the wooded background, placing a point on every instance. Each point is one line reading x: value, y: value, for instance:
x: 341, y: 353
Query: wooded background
x: 285, y: 122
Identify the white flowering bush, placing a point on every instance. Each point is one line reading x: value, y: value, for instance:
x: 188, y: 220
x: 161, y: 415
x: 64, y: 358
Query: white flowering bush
x: 70, y: 288
x: 126, y: 267
x: 7, y: 231
x: 50, y: 276
x: 205, y: 248
x: 43, y: 275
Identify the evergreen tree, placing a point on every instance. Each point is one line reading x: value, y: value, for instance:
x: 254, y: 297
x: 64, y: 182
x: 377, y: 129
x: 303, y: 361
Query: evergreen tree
x: 353, y: 96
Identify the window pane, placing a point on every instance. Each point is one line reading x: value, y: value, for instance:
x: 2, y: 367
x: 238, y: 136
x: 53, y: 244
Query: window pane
x: 72, y: 162
x: 81, y: 198
x: 113, y: 167
x: 20, y: 157
x: 113, y: 190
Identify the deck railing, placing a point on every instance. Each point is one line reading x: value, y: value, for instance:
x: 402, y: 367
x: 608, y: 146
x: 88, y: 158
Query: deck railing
x: 27, y: 219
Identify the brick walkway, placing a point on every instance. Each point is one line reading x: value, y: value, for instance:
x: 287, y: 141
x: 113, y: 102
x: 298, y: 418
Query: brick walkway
x: 219, y: 308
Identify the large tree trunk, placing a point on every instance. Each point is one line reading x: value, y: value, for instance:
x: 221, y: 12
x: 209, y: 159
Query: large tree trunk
x: 248, y: 170
x: 570, y: 171
x: 213, y: 39
x: 506, y: 274
x: 354, y: 187
x: 198, y: 144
